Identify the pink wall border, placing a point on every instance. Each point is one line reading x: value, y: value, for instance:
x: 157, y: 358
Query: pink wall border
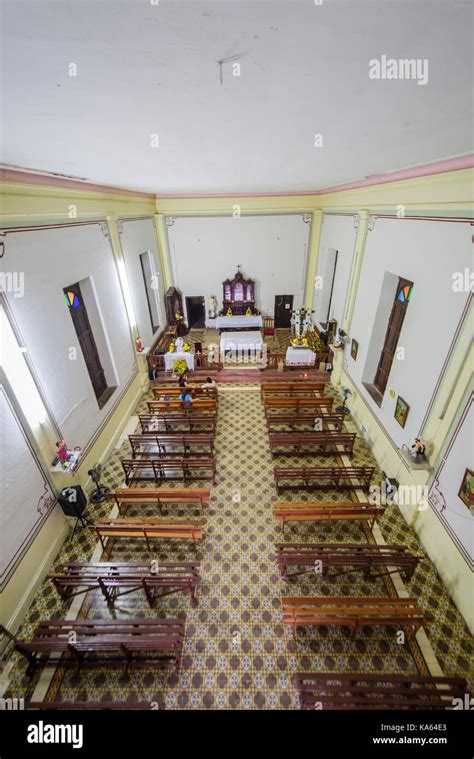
x: 8, y: 174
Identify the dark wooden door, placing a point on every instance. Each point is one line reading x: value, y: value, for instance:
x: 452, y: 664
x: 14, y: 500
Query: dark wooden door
x: 84, y: 334
x: 196, y: 310
x: 392, y: 335
x: 283, y: 308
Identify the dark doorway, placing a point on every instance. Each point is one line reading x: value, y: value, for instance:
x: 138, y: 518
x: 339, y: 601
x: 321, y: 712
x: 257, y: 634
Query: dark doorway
x: 283, y: 309
x: 395, y: 323
x: 195, y: 307
x: 83, y: 329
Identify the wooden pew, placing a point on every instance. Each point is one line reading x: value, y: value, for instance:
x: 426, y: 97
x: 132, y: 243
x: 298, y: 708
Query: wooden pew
x: 291, y: 388
x: 159, y: 444
x: 179, y: 422
x: 311, y: 443
x: 294, y: 405
x: 149, y: 528
x: 364, y: 557
x: 160, y: 470
x: 326, y: 512
x: 173, y: 405
x: 143, y: 642
x: 290, y: 421
x: 173, y: 391
x: 323, y: 478
x: 126, y: 497
x: 301, y: 611
x: 120, y: 578
x: 348, y: 691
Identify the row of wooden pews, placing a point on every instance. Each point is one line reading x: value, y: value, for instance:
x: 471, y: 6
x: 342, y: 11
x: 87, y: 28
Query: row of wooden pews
x: 176, y: 443
x: 291, y: 410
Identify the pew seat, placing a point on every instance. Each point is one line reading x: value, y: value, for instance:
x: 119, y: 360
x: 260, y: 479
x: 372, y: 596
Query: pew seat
x: 174, y: 391
x: 327, y: 511
x: 140, y: 642
x: 178, y: 422
x: 126, y: 497
x: 291, y: 421
x: 371, y: 559
x: 323, y: 478
x: 120, y: 578
x: 349, y: 691
x: 304, y: 387
x: 197, y: 406
x: 302, y: 611
x: 159, y: 444
x: 149, y: 528
x: 312, y: 443
x: 160, y: 470
x: 276, y: 404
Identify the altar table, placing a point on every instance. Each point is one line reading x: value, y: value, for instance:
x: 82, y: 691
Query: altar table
x: 170, y: 358
x: 303, y: 356
x: 241, y: 344
x: 237, y: 322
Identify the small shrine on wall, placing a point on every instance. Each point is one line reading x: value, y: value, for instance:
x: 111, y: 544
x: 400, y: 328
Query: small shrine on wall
x: 238, y: 296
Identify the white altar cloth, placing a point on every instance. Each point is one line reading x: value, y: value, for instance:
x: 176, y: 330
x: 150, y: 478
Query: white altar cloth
x: 300, y: 356
x: 234, y: 322
x: 170, y: 358
x: 241, y: 343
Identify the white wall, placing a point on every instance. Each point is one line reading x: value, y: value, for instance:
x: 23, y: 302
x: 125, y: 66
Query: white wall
x: 456, y: 458
x: 25, y: 494
x: 271, y: 249
x: 338, y: 233
x: 427, y: 253
x: 52, y: 259
x: 137, y: 237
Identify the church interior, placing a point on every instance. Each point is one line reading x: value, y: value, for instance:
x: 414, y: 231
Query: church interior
x: 236, y: 368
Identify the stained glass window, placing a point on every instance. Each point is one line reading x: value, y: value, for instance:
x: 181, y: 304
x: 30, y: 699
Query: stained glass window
x: 405, y: 294
x: 72, y: 299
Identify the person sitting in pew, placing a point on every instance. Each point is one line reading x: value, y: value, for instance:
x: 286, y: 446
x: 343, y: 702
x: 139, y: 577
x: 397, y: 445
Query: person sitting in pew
x: 187, y: 397
x: 209, y: 384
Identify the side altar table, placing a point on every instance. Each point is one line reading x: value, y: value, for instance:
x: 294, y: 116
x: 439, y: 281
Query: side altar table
x: 300, y: 356
x: 170, y: 358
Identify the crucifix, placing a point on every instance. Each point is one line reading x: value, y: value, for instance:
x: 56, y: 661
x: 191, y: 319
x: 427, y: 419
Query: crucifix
x: 239, y: 266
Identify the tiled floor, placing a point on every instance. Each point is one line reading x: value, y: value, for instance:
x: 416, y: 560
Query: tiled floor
x: 238, y: 653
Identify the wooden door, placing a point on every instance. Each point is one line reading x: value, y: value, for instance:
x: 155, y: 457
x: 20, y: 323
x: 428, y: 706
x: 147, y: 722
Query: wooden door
x: 283, y: 308
x: 83, y: 329
x: 395, y: 323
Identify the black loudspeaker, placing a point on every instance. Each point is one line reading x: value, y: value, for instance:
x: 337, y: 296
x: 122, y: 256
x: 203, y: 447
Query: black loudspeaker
x: 72, y: 501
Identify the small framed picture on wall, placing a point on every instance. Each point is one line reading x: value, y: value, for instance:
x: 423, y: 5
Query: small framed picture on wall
x: 466, y: 491
x: 354, y: 349
x: 401, y: 411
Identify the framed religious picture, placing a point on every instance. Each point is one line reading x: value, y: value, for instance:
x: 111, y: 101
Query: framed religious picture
x: 401, y: 411
x: 466, y: 491
x: 354, y: 349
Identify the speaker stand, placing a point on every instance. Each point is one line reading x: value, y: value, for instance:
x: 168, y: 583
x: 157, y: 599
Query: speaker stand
x: 85, y: 522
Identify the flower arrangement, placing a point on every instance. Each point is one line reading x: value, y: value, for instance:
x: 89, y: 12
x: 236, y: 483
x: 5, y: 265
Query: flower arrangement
x: 186, y: 347
x: 178, y: 315
x: 248, y: 312
x: 229, y: 312
x: 180, y: 365
x: 171, y: 348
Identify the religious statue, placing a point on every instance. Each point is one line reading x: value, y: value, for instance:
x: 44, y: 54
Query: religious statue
x: 213, y: 308
x: 179, y: 343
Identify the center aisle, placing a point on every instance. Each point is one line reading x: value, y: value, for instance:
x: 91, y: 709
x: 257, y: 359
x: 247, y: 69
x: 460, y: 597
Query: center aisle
x: 240, y: 656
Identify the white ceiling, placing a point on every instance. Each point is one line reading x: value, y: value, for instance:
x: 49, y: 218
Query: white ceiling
x: 145, y: 69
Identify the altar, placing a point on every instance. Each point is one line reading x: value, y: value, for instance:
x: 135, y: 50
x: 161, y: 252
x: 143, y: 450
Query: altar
x: 241, y: 345
x: 300, y: 356
x: 238, y: 322
x: 171, y: 357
